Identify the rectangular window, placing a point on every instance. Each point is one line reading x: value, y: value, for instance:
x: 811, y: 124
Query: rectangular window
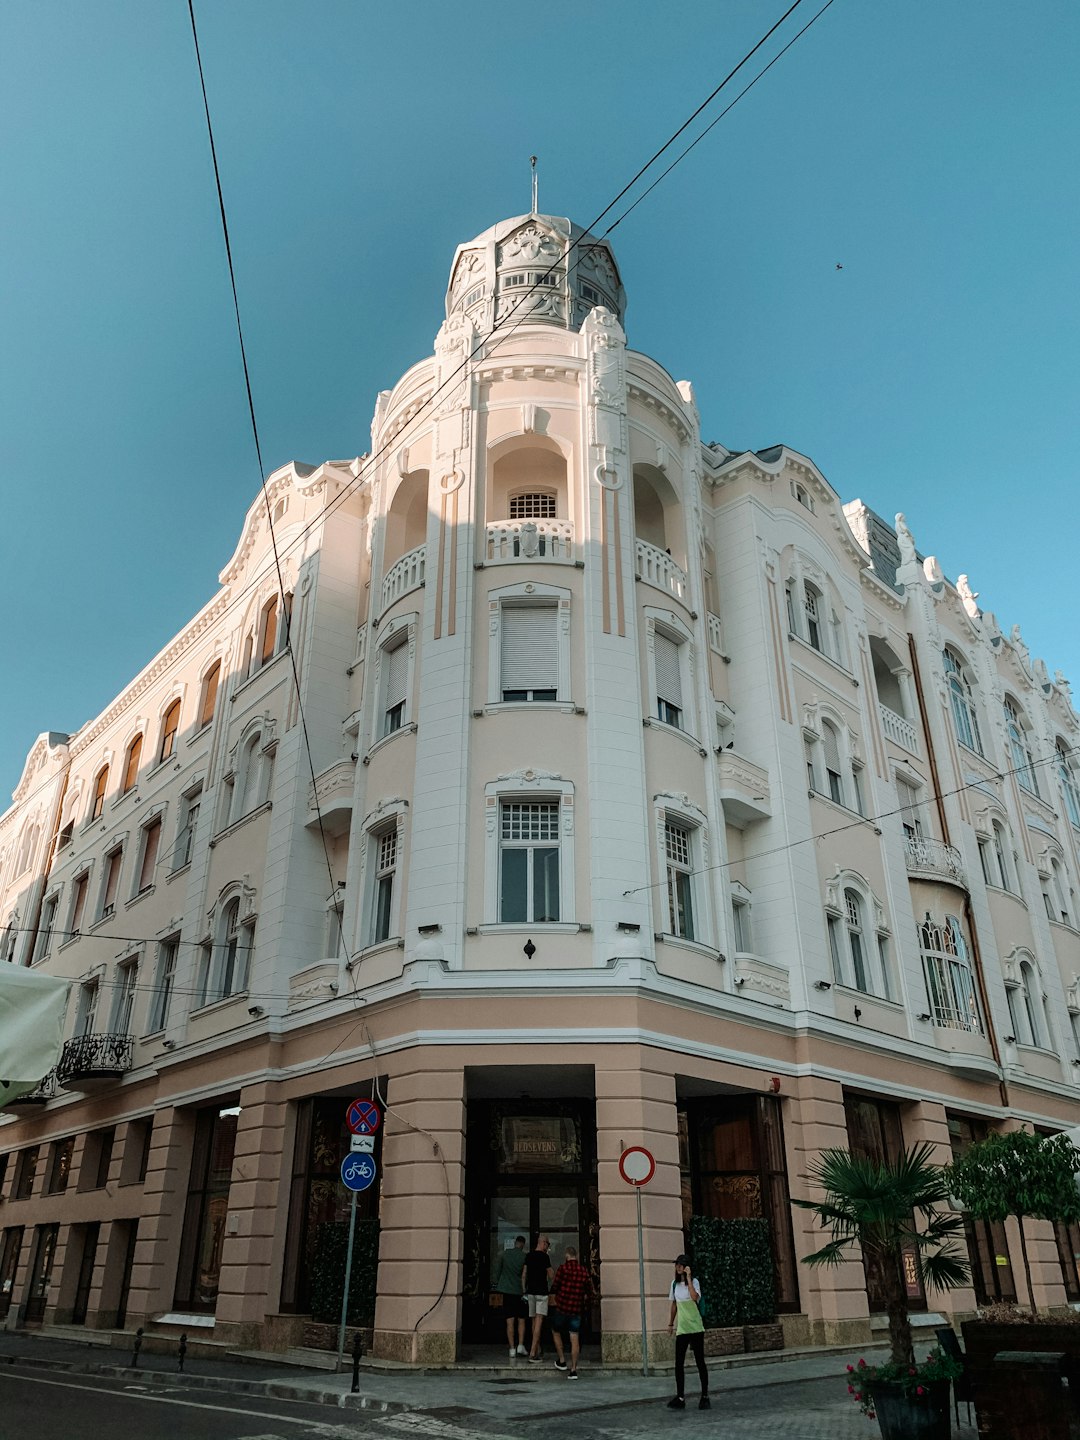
x: 529, y: 652
x: 60, y: 1165
x: 105, y: 1141
x: 269, y: 631
x: 669, y: 694
x: 124, y: 1001
x: 385, y: 869
x: 164, y: 981
x: 529, y: 861
x: 536, y: 505
x: 151, y: 842
x: 86, y: 1016
x: 209, y: 694
x: 112, y: 883
x: 78, y: 901
x: 45, y: 929
x: 833, y: 772
x: 396, y: 662
x: 25, y: 1171
x: 679, y: 886
x: 744, y: 940
x: 835, y: 950
x: 189, y: 815
x: 813, y: 623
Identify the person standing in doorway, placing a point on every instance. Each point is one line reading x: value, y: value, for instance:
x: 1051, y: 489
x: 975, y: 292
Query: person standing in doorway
x: 536, y: 1282
x: 508, y: 1285
x: 570, y: 1291
x: 689, y: 1330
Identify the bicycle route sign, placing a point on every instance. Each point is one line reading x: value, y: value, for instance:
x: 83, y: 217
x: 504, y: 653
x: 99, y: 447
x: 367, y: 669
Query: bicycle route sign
x: 363, y: 1117
x: 358, y: 1171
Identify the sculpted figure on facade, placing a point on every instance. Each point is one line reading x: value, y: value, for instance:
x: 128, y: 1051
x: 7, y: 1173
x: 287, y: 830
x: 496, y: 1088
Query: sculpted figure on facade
x: 968, y: 597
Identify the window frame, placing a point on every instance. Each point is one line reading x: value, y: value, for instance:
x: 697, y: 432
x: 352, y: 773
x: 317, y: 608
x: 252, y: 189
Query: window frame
x: 529, y: 594
x: 168, y: 955
x: 678, y: 810
x: 531, y: 847
x: 399, y: 634
x: 529, y: 786
x: 858, y: 935
x: 111, y: 872
x: 187, y: 825
x: 132, y: 761
x: 148, y: 857
x: 98, y: 793
x: 952, y: 993
x: 1018, y: 735
x: 170, y: 729
x: 125, y: 994
x: 670, y: 628
x: 1070, y: 787
x: 962, y: 704
x: 209, y: 691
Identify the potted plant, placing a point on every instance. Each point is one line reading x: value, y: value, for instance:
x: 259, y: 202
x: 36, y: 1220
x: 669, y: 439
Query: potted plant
x: 893, y: 1209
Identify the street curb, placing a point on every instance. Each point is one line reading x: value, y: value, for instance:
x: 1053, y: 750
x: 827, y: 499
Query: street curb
x: 270, y: 1389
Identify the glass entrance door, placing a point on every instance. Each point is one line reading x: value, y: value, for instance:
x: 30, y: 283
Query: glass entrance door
x: 86, y: 1274
x: 531, y: 1170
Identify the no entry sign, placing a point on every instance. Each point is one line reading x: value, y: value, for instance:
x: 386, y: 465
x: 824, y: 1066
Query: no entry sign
x: 636, y: 1165
x: 363, y: 1117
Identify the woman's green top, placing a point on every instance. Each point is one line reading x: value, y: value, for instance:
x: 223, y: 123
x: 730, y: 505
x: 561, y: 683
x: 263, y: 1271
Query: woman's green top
x: 688, y: 1319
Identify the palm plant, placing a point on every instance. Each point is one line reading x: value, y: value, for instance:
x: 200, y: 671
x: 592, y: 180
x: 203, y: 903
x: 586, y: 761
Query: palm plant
x: 889, y: 1209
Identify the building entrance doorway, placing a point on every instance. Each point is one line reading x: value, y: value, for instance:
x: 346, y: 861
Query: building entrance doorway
x: 531, y: 1169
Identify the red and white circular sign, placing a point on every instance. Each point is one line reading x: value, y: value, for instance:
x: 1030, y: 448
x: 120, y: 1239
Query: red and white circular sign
x: 636, y: 1165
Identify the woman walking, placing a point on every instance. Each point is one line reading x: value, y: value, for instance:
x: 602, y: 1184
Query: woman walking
x: 689, y: 1330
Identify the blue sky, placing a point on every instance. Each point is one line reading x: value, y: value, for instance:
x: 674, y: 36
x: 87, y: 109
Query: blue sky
x: 929, y: 146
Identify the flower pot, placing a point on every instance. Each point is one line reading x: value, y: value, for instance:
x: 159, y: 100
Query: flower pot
x: 912, y: 1417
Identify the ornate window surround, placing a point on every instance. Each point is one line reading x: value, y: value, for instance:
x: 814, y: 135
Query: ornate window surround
x: 530, y: 784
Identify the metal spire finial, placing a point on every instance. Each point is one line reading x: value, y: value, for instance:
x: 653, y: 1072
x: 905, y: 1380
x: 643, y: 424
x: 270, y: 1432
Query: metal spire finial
x: 535, y: 185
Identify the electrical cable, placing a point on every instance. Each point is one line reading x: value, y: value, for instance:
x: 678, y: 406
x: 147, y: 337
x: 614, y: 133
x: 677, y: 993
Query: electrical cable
x: 367, y: 463
x: 855, y: 823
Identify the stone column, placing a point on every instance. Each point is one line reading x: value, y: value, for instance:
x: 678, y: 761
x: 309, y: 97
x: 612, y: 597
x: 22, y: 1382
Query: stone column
x: 153, y: 1275
x: 417, y: 1317
x: 258, y: 1209
x: 635, y: 1105
x: 833, y: 1299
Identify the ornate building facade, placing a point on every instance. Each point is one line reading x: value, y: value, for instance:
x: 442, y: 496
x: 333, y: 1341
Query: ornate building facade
x: 655, y: 796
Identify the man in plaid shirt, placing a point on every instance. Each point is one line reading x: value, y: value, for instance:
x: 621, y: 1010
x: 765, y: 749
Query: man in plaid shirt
x: 571, y: 1292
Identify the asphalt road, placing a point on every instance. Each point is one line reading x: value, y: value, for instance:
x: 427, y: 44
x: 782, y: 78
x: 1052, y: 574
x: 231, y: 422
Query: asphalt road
x: 37, y: 1406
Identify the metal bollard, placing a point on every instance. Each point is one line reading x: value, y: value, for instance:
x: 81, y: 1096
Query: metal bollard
x: 137, y: 1347
x: 357, y: 1352
x: 181, y: 1352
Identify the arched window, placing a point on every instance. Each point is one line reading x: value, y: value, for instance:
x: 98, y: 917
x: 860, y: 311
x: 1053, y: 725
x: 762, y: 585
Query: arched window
x: 950, y: 985
x: 1020, y: 751
x: 1059, y: 894
x: 230, y: 957
x: 961, y: 695
x: 254, y: 772
x: 1034, y: 1010
x: 97, y: 802
x: 208, y: 699
x: 1002, y: 868
x: 26, y: 847
x: 853, y: 915
x: 1069, y: 786
x: 131, y: 764
x: 169, y: 726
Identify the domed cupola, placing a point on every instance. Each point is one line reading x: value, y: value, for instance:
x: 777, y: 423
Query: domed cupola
x: 533, y: 269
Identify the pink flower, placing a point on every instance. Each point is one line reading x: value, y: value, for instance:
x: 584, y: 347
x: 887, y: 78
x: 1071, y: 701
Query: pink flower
x: 851, y: 1369
x: 870, y: 1415
x: 851, y: 1389
x: 862, y: 1364
x: 919, y: 1390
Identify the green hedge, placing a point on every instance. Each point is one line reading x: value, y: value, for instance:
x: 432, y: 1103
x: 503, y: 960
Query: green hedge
x: 733, y: 1261
x: 328, y: 1272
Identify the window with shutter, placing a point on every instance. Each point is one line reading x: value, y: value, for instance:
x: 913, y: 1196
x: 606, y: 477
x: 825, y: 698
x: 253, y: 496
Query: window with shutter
x: 529, y: 652
x: 831, y: 743
x: 396, y: 662
x: 669, y: 696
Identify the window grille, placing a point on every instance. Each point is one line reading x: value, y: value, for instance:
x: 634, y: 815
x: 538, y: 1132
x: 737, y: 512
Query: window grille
x: 533, y: 505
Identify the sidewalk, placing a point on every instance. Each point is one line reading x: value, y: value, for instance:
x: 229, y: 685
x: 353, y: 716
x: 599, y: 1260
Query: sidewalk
x: 515, y: 1389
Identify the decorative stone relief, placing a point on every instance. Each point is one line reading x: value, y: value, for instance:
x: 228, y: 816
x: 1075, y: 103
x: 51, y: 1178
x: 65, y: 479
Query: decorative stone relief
x: 606, y: 380
x: 531, y: 244
x: 968, y: 597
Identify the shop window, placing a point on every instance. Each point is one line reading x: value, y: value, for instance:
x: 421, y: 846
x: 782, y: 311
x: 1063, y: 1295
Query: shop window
x: 10, y: 1249
x: 733, y: 1167
x: 60, y: 1154
x: 203, y: 1234
x: 987, y: 1244
x: 25, y: 1172
x: 316, y: 1196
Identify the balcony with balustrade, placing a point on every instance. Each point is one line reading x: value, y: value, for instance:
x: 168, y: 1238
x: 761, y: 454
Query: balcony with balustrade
x: 656, y: 567
x: 933, y: 860
x: 899, y: 730
x: 404, y: 575
x: 508, y: 542
x: 89, y: 1062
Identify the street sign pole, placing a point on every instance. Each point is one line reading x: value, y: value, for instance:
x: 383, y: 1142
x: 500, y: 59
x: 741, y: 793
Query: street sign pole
x: 641, y: 1285
x: 348, y: 1274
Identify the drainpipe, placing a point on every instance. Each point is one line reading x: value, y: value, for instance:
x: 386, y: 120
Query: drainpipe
x: 969, y: 917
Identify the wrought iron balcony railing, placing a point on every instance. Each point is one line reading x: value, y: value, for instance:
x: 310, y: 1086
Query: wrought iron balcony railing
x: 934, y: 859
x: 94, y: 1057
x: 44, y: 1090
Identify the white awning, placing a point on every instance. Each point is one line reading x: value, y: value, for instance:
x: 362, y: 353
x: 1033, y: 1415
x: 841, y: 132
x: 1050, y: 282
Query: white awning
x: 32, y: 1010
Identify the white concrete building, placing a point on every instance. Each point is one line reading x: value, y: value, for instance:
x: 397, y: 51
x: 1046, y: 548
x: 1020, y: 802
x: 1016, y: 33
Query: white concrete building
x: 659, y: 798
